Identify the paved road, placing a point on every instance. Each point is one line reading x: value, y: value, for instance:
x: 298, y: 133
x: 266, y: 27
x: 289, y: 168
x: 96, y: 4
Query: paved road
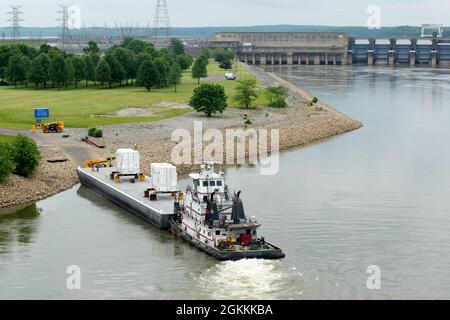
x: 76, y: 151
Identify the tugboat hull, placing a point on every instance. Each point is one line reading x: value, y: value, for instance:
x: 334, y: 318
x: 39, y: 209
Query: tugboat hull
x: 273, y: 254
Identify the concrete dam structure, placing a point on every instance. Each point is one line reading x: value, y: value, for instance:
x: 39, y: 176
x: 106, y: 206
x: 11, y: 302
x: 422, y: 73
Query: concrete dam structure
x: 267, y: 48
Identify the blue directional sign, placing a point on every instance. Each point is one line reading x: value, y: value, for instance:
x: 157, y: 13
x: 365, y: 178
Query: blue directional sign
x: 41, y: 113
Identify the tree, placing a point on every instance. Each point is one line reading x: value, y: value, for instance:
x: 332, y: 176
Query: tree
x: 70, y: 72
x: 44, y: 48
x: 147, y: 74
x: 92, y: 48
x: 58, y: 72
x: 199, y: 69
x: 16, y: 70
x: 89, y: 69
x: 117, y: 70
x: 5, y: 54
x: 246, y: 92
x: 176, y: 47
x: 230, y: 55
x: 139, y: 46
x: 103, y: 72
x: 79, y: 69
x: 209, y: 99
x: 36, y: 73
x: 25, y: 155
x: 7, y: 166
x: 276, y: 96
x: 45, y: 61
x: 219, y: 55
x: 185, y: 61
x: 163, y: 68
x: 175, y: 74
x: 127, y: 59
x: 226, y: 64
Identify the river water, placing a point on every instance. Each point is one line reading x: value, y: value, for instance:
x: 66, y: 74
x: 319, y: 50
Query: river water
x: 376, y: 196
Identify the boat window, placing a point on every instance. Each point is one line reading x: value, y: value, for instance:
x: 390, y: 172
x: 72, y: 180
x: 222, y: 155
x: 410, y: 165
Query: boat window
x: 218, y: 233
x: 249, y: 231
x: 205, y: 183
x: 219, y: 183
x: 212, y: 183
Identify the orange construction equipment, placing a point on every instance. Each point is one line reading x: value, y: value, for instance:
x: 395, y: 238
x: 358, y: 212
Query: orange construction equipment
x: 102, y: 162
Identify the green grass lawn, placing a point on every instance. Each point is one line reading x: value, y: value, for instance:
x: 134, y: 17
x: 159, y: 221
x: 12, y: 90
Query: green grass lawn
x: 86, y: 107
x: 6, y: 138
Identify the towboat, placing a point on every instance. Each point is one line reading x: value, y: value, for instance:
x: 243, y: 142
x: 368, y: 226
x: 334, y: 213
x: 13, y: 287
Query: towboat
x: 213, y: 220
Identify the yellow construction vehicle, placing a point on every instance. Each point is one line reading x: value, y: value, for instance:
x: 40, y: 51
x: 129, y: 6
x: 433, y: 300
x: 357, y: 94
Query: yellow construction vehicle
x: 102, y: 162
x: 57, y: 127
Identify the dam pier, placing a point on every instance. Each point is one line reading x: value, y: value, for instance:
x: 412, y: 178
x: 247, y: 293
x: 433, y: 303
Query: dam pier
x: 328, y: 48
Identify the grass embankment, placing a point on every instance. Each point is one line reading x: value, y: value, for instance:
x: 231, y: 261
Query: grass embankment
x: 7, y: 139
x: 87, y: 107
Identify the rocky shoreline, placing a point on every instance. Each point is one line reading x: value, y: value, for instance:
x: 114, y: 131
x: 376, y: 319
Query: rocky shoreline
x: 48, y: 180
x: 299, y: 124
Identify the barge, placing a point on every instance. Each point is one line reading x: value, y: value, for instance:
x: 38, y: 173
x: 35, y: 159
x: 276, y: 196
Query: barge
x: 207, y: 215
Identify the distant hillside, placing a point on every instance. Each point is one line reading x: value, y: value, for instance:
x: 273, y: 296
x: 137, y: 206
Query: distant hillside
x: 208, y: 31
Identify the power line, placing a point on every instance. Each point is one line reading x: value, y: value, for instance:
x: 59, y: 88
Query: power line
x: 161, y: 26
x: 15, y: 20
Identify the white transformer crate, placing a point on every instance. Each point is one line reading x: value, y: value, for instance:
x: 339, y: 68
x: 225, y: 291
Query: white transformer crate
x: 127, y: 161
x: 164, y: 177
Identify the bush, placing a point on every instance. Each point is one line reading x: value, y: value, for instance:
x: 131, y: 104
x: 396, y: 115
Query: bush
x: 25, y: 155
x: 7, y: 166
x: 315, y: 100
x: 96, y: 133
x: 276, y: 96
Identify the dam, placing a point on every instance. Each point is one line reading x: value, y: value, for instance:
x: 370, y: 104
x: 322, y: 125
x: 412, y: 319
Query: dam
x: 328, y: 48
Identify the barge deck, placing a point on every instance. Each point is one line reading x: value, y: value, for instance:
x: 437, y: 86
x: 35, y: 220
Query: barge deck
x: 130, y: 196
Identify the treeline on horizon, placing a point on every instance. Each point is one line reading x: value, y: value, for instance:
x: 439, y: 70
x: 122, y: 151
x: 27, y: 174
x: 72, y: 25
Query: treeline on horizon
x: 209, y: 31
x: 134, y: 59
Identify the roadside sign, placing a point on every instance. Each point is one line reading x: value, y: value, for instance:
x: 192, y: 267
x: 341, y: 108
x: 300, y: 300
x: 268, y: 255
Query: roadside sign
x: 41, y: 113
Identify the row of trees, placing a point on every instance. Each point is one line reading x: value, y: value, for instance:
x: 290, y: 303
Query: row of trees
x: 133, y: 59
x: 211, y: 98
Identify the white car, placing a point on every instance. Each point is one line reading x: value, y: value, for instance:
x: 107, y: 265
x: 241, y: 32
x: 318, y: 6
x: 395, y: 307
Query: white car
x: 230, y: 76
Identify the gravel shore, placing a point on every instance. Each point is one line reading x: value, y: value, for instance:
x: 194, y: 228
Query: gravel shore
x: 299, y: 124
x: 48, y: 180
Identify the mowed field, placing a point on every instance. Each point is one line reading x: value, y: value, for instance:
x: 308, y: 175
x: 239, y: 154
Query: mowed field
x: 6, y: 138
x: 95, y: 106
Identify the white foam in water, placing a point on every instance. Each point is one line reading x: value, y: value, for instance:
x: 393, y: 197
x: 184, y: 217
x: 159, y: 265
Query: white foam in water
x: 245, y: 279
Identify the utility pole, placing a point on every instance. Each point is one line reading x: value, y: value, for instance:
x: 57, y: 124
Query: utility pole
x: 15, y: 20
x: 161, y: 26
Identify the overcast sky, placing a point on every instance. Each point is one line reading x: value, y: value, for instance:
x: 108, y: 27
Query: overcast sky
x: 190, y: 13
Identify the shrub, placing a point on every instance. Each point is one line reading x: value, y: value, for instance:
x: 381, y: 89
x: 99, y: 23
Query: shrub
x: 91, y: 132
x: 276, y: 96
x: 315, y: 100
x: 7, y: 166
x: 96, y: 133
x: 25, y: 155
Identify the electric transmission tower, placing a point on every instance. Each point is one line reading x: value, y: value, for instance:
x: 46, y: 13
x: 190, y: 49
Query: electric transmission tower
x: 64, y: 36
x: 161, y: 26
x: 16, y: 18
